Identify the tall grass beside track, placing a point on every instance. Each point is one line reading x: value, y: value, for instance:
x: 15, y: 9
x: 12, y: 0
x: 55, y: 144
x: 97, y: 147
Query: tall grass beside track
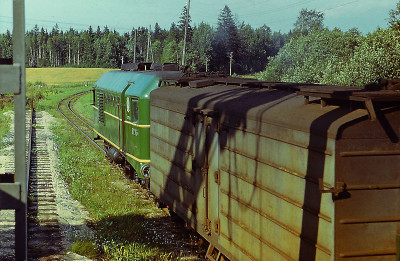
x: 5, y: 123
x: 119, y: 215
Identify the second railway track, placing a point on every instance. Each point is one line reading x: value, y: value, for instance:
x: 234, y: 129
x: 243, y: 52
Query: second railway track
x: 65, y: 108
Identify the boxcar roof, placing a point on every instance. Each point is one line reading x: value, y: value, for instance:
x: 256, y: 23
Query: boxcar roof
x: 249, y: 107
x: 142, y: 82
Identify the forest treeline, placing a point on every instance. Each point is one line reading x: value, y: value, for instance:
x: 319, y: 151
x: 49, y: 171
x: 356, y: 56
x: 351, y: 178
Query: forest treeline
x: 206, y: 46
x: 309, y: 53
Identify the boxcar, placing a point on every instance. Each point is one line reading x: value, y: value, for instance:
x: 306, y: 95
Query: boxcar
x: 121, y: 113
x: 280, y: 171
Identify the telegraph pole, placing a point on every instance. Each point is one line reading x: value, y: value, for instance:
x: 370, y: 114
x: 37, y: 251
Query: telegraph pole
x: 230, y: 63
x: 134, y: 48
x: 186, y: 28
x: 148, y: 44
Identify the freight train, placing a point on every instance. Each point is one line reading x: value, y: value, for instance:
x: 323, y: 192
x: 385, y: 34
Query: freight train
x: 262, y: 170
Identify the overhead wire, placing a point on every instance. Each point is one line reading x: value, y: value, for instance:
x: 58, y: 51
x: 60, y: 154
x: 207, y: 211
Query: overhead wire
x: 294, y: 18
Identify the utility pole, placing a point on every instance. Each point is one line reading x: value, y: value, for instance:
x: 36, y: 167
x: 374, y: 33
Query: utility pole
x: 186, y: 28
x: 230, y: 63
x: 207, y: 60
x: 134, y: 48
x: 148, y: 44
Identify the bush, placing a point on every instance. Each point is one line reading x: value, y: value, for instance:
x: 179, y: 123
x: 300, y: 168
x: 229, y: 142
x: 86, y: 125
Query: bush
x: 378, y: 56
x: 308, y: 58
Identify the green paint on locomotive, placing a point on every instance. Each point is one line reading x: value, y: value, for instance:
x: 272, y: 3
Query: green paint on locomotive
x: 122, y: 111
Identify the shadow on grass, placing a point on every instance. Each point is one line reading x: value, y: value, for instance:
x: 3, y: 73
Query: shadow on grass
x: 164, y: 237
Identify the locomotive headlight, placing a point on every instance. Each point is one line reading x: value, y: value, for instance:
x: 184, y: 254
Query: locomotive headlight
x: 145, y: 170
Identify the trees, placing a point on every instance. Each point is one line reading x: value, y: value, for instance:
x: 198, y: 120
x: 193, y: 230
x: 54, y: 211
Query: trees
x: 171, y: 52
x: 6, y: 45
x: 394, y: 17
x: 257, y: 47
x: 182, y: 23
x: 376, y: 57
x: 87, y: 47
x: 226, y: 41
x: 208, y: 48
x: 308, y: 22
x: 202, y: 46
x: 326, y: 51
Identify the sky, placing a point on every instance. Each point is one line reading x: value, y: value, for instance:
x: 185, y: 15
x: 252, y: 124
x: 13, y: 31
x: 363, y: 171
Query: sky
x: 123, y: 15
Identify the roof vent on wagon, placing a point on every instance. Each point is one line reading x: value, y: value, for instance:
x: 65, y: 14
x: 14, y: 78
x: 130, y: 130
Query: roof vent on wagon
x: 149, y: 67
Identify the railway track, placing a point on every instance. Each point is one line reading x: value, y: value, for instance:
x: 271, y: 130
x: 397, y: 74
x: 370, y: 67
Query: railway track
x: 65, y: 108
x: 174, y: 235
x: 45, y: 235
x: 7, y: 217
x: 49, y: 205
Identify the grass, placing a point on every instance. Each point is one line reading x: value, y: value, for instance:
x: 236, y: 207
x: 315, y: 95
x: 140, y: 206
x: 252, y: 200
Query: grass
x: 40, y: 86
x: 4, y: 126
x: 119, y: 216
x: 64, y: 75
x: 84, y: 106
x: 86, y: 248
x: 5, y: 121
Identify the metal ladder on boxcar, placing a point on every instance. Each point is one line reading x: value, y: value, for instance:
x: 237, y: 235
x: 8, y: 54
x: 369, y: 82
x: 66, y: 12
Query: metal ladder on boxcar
x: 13, y: 195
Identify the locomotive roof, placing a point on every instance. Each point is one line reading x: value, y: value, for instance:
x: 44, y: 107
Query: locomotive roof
x: 142, y: 82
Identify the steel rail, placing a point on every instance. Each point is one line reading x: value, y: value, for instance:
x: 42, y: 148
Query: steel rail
x: 79, y: 118
x: 73, y: 124
x: 28, y: 166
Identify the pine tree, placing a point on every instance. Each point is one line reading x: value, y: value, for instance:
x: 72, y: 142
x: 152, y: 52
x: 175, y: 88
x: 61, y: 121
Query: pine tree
x: 226, y: 41
x: 182, y: 24
x: 88, y: 56
x: 158, y: 34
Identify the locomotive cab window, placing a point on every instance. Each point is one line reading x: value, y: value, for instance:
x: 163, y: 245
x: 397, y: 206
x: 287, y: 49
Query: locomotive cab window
x: 134, y: 109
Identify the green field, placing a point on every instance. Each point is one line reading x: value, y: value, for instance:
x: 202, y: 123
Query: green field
x: 64, y: 75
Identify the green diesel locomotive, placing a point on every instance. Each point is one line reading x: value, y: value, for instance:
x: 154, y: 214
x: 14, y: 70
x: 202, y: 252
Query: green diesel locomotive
x: 122, y: 112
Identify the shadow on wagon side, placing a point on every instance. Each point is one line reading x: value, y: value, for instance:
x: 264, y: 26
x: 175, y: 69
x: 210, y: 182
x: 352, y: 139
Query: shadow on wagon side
x: 264, y: 172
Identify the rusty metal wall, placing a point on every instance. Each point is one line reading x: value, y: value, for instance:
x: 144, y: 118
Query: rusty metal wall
x: 245, y: 167
x: 264, y: 183
x: 252, y: 201
x: 174, y: 179
x: 368, y: 162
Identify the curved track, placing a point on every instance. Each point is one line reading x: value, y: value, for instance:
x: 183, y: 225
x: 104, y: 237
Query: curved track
x: 173, y: 223
x: 64, y: 107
